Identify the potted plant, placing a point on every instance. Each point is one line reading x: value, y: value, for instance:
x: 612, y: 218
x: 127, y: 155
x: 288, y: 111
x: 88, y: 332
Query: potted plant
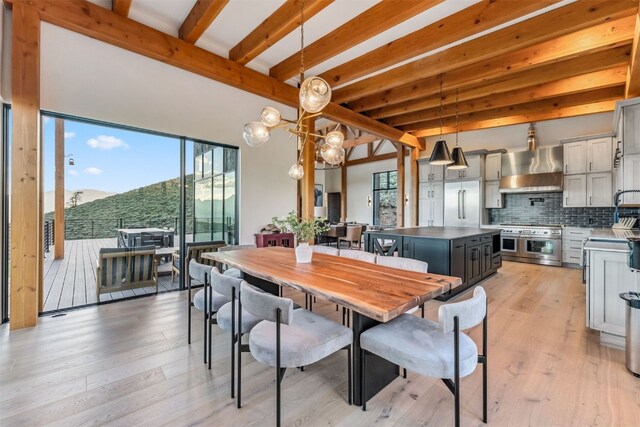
x: 304, y: 230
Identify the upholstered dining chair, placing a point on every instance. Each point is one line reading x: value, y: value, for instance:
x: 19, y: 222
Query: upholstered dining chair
x: 232, y: 271
x: 205, y: 299
x: 289, y: 338
x: 361, y: 256
x: 328, y: 250
x: 232, y: 319
x: 433, y: 349
x: 408, y: 264
x: 353, y: 235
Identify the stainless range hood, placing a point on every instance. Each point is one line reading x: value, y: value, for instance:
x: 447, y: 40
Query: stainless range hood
x: 538, y: 170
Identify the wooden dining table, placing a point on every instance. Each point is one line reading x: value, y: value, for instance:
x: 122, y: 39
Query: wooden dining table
x: 372, y: 292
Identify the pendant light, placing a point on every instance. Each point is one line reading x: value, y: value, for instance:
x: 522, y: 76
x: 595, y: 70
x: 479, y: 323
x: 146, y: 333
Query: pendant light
x: 440, y: 154
x: 457, y: 155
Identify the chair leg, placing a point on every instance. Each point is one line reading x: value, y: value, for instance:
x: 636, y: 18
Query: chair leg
x: 404, y: 372
x: 239, y: 398
x: 278, y: 370
x: 206, y: 311
x: 233, y: 338
x: 349, y: 375
x: 422, y: 309
x: 363, y: 374
x: 484, y: 369
x: 456, y: 372
x: 189, y: 305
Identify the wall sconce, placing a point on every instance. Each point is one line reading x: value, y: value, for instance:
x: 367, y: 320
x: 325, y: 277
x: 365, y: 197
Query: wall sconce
x: 368, y: 201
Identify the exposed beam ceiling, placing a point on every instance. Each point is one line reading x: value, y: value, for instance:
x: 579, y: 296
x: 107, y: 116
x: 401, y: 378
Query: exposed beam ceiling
x: 375, y: 158
x: 121, y: 7
x: 583, y: 42
x: 365, y: 139
x: 93, y: 21
x: 556, y: 23
x: 558, y: 113
x: 469, y: 21
x: 202, y: 14
x: 538, y: 106
x: 633, y: 84
x: 373, y: 21
x: 274, y: 28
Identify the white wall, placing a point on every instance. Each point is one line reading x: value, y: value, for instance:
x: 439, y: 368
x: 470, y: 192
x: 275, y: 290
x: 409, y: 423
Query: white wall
x: 87, y: 78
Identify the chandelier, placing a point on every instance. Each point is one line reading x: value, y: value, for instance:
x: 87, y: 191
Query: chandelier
x: 315, y: 94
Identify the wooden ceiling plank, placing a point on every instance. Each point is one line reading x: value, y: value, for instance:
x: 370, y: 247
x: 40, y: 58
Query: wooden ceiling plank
x: 202, y: 14
x: 121, y: 7
x: 472, y: 20
x: 561, y: 21
x: 582, y: 83
x: 598, y: 61
x: 632, y: 88
x: 594, y: 96
x: 594, y: 39
x: 560, y: 113
x: 373, y: 21
x: 93, y: 21
x: 282, y: 22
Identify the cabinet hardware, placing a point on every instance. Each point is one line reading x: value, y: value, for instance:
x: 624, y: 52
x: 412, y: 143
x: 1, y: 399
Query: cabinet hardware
x: 565, y: 168
x: 498, y: 202
x: 591, y: 200
x: 498, y: 174
x: 589, y: 165
x: 567, y: 201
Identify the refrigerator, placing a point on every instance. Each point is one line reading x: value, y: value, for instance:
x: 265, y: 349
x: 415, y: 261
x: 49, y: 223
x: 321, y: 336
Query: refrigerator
x: 462, y: 204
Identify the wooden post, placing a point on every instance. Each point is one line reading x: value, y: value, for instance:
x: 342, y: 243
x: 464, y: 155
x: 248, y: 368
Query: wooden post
x: 26, y: 207
x: 58, y: 248
x: 309, y: 165
x: 343, y: 193
x: 400, y: 193
x: 413, y: 192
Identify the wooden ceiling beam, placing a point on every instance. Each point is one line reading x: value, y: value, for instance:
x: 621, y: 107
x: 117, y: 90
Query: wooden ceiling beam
x: 590, y: 97
x: 96, y: 22
x: 572, y: 85
x: 469, y: 21
x: 632, y: 88
x: 594, y: 39
x: 550, y: 25
x: 202, y: 14
x: 378, y: 146
x: 374, y: 158
x: 373, y: 21
x: 598, y: 61
x: 559, y: 113
x: 361, y: 140
x: 282, y: 22
x: 121, y: 7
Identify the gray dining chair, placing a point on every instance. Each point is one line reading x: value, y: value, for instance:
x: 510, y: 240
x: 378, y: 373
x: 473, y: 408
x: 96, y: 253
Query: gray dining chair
x: 232, y: 271
x: 433, y: 349
x: 359, y: 255
x: 289, y: 338
x: 327, y: 250
x: 231, y: 318
x: 408, y: 264
x: 205, y: 300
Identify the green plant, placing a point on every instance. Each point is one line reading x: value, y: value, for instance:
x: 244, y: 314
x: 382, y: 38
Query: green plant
x: 303, y: 229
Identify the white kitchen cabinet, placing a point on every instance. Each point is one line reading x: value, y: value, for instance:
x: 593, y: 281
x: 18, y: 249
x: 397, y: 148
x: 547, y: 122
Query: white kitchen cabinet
x: 492, y: 195
x: 493, y: 166
x: 572, y: 239
x: 431, y: 204
x: 599, y: 155
x: 609, y: 276
x: 599, y: 190
x: 575, y: 191
x: 631, y: 178
x: 429, y: 172
x: 631, y: 130
x: 575, y: 157
x: 472, y: 172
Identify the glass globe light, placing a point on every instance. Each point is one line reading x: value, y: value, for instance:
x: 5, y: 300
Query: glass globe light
x: 270, y: 116
x: 256, y: 134
x: 315, y: 94
x: 331, y: 155
x: 334, y: 139
x: 296, y: 171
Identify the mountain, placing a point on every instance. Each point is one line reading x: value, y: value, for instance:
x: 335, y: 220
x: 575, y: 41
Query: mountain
x: 155, y: 205
x: 88, y: 195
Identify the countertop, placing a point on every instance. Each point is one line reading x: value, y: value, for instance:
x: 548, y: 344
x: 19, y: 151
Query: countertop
x: 608, y: 234
x: 609, y: 246
x: 446, y: 233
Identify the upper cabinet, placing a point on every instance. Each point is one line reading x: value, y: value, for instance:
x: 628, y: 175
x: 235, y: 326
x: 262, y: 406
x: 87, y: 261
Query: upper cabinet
x: 493, y: 167
x: 599, y: 155
x: 430, y: 172
x: 631, y: 129
x: 575, y: 157
x: 474, y: 170
x: 631, y: 179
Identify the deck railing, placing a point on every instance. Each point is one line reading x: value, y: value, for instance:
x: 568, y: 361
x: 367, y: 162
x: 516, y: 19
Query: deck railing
x: 97, y: 228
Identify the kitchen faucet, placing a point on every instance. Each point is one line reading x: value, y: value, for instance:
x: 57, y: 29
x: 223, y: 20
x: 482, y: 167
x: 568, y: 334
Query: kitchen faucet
x: 616, y: 203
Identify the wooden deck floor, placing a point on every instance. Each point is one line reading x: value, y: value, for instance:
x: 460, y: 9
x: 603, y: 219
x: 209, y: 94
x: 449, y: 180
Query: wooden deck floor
x: 71, y: 282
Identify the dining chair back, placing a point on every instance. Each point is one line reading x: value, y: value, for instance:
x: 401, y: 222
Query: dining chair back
x: 352, y: 236
x: 359, y: 255
x: 328, y: 250
x: 403, y: 263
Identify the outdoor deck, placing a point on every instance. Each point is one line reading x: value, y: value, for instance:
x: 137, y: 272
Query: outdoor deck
x: 71, y: 282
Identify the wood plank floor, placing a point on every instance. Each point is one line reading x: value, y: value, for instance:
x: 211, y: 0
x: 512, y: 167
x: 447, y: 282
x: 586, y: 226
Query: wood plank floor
x: 129, y: 364
x: 71, y: 281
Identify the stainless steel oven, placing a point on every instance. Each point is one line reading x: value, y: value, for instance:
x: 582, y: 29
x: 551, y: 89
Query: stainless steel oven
x: 509, y: 244
x: 544, y: 250
x: 534, y: 244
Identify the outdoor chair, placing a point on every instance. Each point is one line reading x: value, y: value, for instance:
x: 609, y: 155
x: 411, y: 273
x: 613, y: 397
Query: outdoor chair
x: 121, y: 269
x: 194, y: 251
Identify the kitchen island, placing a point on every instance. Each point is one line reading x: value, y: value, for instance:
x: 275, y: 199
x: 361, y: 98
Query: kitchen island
x: 472, y: 254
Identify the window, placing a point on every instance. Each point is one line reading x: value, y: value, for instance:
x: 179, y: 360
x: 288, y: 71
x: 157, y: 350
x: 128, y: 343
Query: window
x: 384, y: 198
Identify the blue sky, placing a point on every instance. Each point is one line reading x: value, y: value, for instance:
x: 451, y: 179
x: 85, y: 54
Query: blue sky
x: 112, y: 159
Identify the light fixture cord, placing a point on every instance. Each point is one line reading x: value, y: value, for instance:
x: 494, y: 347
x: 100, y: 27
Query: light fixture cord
x: 300, y: 111
x: 441, y: 107
x: 457, y: 119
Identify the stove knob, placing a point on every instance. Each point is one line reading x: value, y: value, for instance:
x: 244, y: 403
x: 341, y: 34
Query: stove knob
x: 546, y: 232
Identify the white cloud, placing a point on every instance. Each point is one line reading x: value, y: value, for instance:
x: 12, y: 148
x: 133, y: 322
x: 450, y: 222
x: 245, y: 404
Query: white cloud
x: 69, y: 135
x: 73, y: 172
x: 93, y: 171
x: 106, y: 142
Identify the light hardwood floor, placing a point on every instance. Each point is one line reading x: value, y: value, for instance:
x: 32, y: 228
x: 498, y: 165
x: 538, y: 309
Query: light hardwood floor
x: 128, y: 364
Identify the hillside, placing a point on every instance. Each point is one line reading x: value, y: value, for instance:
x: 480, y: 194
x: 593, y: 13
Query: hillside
x: 88, y: 195
x: 156, y: 205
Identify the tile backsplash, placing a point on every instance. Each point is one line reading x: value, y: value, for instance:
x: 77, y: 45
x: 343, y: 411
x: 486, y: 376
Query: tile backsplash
x: 518, y: 210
